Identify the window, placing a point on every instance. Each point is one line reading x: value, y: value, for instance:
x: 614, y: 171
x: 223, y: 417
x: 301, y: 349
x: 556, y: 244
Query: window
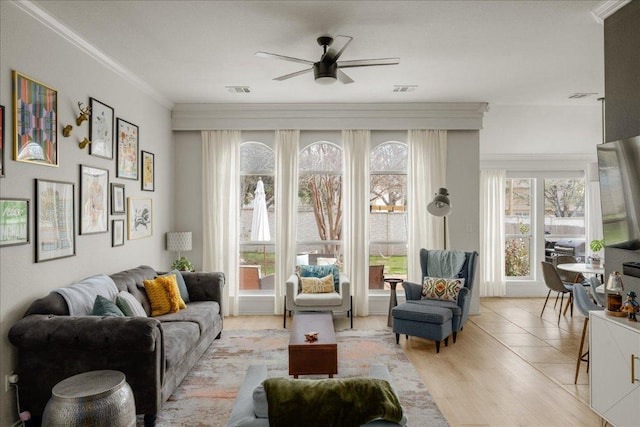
x: 257, y: 245
x: 517, y: 217
x: 320, y: 204
x: 387, y: 212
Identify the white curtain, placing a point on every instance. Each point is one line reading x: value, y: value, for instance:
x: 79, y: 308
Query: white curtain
x: 221, y: 209
x: 356, y: 144
x: 426, y: 171
x: 593, y: 209
x: 286, y: 210
x: 492, y: 235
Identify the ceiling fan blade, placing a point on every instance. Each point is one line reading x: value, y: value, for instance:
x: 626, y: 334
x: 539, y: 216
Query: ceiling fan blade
x: 368, y: 62
x: 342, y: 76
x: 284, y: 58
x: 332, y: 55
x: 297, y: 73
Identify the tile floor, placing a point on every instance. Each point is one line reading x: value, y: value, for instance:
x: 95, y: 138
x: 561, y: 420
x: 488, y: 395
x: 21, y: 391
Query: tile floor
x: 549, y: 347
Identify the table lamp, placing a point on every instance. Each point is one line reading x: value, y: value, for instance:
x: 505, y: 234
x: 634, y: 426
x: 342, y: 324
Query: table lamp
x: 179, y: 241
x: 614, y: 300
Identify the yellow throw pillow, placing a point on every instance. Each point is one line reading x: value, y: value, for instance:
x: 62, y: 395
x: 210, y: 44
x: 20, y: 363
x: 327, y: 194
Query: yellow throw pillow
x: 315, y: 285
x: 164, y: 295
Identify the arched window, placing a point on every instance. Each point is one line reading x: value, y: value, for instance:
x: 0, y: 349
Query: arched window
x: 320, y: 204
x: 387, y: 212
x: 257, y: 234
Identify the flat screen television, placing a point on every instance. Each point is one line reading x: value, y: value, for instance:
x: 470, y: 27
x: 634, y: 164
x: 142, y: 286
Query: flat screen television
x: 619, y: 170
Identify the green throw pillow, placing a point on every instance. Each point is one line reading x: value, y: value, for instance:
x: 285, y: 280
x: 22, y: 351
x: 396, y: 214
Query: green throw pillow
x: 321, y: 271
x: 104, y: 307
x: 129, y: 305
x: 182, y: 286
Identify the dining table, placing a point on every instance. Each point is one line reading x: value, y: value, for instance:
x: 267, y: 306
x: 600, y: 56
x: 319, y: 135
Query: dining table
x: 584, y: 268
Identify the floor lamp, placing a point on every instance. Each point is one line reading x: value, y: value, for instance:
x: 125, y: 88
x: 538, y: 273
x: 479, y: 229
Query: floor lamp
x: 441, y: 206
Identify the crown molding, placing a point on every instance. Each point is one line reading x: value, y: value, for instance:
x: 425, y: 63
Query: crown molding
x: 603, y: 10
x: 76, y: 40
x: 386, y: 116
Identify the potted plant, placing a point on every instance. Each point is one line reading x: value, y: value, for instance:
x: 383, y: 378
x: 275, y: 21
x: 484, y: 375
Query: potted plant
x: 182, y: 264
x: 596, y: 246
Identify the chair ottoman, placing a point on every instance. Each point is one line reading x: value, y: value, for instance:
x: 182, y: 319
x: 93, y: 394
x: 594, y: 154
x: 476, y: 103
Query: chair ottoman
x: 424, y: 321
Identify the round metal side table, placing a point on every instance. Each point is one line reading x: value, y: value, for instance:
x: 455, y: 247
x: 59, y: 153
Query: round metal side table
x: 393, y: 298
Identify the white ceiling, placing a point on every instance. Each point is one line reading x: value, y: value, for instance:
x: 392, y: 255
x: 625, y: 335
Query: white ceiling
x: 501, y: 52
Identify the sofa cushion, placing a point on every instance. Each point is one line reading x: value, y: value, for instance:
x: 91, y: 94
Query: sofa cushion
x: 129, y: 305
x: 104, y: 307
x: 202, y: 313
x: 317, y: 285
x: 179, y: 338
x: 164, y: 295
x: 182, y: 286
x: 422, y: 313
x: 322, y: 271
x: 81, y: 296
x: 260, y: 404
x: 441, y: 288
x: 318, y: 300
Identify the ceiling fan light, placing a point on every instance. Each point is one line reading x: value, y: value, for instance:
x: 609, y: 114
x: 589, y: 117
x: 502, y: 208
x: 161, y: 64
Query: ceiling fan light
x: 326, y: 80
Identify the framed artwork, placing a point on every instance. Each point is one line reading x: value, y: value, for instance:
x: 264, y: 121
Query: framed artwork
x: 127, y: 155
x: 117, y: 199
x: 148, y: 181
x: 94, y: 200
x: 117, y: 232
x: 35, y: 121
x: 101, y: 129
x: 2, y: 141
x: 14, y: 221
x: 55, y: 223
x: 139, y: 217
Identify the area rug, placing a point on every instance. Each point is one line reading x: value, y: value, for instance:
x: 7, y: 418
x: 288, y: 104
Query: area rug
x: 207, y: 394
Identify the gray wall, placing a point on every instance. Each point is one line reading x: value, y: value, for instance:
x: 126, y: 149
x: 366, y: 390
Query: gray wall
x: 622, y: 93
x: 38, y: 52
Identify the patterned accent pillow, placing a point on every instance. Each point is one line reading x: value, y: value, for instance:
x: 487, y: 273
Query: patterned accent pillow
x: 315, y: 285
x: 104, y: 307
x: 320, y: 271
x: 164, y: 295
x: 129, y: 305
x: 442, y: 289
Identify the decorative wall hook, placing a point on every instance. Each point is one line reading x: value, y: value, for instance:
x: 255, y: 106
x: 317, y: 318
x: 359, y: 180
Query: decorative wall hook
x: 66, y: 131
x: 84, y: 114
x: 84, y: 143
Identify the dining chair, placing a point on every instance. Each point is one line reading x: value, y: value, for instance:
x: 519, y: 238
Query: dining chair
x: 584, y: 305
x: 594, y: 282
x: 568, y: 276
x: 555, y: 283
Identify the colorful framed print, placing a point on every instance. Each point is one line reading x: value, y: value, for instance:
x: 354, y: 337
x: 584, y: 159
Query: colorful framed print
x: 14, y: 221
x: 117, y: 232
x: 127, y: 153
x: 35, y: 121
x: 94, y: 200
x: 2, y: 141
x: 55, y: 223
x: 148, y: 164
x: 101, y: 129
x: 117, y: 199
x: 139, y: 217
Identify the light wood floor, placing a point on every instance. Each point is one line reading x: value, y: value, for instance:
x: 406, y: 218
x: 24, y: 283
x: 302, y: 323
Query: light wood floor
x: 508, y: 367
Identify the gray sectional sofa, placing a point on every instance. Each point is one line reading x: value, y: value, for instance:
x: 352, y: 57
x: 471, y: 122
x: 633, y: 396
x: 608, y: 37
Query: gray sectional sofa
x: 155, y: 353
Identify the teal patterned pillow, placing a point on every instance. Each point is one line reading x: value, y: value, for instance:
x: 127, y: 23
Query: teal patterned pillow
x: 321, y: 271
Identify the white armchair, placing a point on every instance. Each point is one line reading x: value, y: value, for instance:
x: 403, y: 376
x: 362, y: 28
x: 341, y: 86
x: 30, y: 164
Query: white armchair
x: 295, y: 300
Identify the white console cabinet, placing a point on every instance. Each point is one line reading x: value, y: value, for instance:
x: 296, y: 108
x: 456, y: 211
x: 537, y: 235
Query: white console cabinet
x: 614, y: 374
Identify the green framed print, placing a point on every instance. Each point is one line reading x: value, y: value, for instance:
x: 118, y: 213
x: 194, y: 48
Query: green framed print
x: 14, y: 221
x: 55, y: 222
x: 35, y: 121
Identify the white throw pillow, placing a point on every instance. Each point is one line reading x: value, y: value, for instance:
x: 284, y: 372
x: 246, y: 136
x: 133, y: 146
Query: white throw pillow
x: 129, y: 305
x: 260, y: 404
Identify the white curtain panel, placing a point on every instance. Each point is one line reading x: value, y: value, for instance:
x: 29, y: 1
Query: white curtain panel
x: 287, y: 142
x: 426, y: 171
x: 356, y: 144
x: 593, y: 208
x: 221, y: 210
x: 492, y: 235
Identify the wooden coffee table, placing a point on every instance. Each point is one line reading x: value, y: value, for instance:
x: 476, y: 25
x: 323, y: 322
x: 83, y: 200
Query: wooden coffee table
x: 311, y: 358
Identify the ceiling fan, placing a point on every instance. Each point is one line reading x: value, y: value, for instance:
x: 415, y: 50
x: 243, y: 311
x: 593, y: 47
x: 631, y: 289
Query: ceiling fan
x: 327, y: 70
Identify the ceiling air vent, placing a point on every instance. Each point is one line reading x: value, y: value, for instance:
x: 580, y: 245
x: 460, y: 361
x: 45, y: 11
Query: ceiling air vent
x: 580, y: 95
x: 238, y: 89
x: 404, y: 88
